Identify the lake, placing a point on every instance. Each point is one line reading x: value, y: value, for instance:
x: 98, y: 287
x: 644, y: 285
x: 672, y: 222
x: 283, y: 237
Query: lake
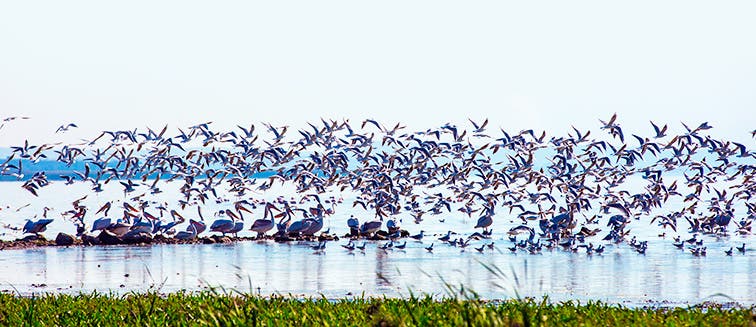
x: 619, y: 275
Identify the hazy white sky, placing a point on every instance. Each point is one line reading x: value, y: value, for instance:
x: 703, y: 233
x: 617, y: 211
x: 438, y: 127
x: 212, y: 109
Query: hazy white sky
x: 543, y: 65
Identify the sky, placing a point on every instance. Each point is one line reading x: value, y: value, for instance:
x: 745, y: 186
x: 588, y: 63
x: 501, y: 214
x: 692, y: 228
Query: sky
x: 546, y: 65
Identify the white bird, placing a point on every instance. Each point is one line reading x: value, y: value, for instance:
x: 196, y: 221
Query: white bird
x: 222, y: 226
x: 484, y: 222
x: 262, y: 226
x: 64, y: 128
x: 143, y: 225
x: 315, y: 225
x: 199, y: 226
x: 370, y: 227
x: 298, y: 226
x: 392, y: 226
x: 119, y: 228
x: 36, y: 227
x: 191, y: 233
x: 100, y: 224
x: 238, y: 226
x: 446, y: 237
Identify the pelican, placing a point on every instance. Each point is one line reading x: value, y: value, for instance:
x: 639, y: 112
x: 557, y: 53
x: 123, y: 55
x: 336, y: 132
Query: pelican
x: 36, y: 227
x: 392, y: 226
x: 100, y: 224
x: 119, y: 228
x: 197, y: 225
x: 282, y: 226
x: 191, y: 233
x: 262, y: 226
x: 165, y: 228
x: 354, y: 225
x: 370, y: 227
x: 226, y: 226
x: 223, y: 226
x: 314, y: 226
x: 298, y: 226
x: 484, y: 222
x: 238, y: 226
x: 145, y: 225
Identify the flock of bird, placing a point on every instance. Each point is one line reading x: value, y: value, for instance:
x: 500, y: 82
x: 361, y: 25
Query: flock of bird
x: 562, y: 191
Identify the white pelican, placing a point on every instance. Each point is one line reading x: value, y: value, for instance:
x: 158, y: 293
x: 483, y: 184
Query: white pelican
x: 223, y: 226
x: 370, y: 227
x: 119, y: 228
x: 191, y: 233
x: 314, y: 226
x: 199, y: 226
x: 484, y: 222
x: 36, y: 227
x: 100, y: 224
x: 262, y: 226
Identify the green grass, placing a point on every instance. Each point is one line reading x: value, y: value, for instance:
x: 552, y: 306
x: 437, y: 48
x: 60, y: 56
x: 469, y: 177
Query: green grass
x: 214, y: 309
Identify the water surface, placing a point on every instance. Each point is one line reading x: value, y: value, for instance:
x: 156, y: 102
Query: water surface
x: 620, y: 275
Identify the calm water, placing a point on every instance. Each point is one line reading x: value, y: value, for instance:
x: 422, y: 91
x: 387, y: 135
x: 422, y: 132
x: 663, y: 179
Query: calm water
x: 620, y: 275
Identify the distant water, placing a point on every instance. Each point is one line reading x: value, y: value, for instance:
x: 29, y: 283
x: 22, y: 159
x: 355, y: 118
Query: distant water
x: 620, y: 275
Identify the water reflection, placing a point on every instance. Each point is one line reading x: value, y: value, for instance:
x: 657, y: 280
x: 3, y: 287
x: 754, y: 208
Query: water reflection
x: 620, y: 275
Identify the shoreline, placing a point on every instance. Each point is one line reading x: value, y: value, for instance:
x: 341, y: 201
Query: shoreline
x: 39, y: 241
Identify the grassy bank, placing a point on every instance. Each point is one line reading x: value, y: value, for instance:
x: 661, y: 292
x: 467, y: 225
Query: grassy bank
x: 210, y: 309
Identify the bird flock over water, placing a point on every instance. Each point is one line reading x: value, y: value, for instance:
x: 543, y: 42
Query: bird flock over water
x: 565, y: 192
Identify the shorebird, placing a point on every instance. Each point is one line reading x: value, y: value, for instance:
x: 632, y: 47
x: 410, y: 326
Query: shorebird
x: 446, y: 237
x: 349, y: 246
x: 64, y: 128
x: 429, y: 248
